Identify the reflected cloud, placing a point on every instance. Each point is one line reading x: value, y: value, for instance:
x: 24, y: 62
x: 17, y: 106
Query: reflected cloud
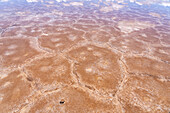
x: 32, y: 0
x: 165, y: 3
x: 4, y: 0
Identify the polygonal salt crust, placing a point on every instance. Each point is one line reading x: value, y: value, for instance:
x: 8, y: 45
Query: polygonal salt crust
x: 149, y: 35
x: 128, y: 44
x: 144, y: 65
x: 47, y: 29
x: 101, y: 20
x: 141, y: 94
x: 4, y: 24
x: 112, y: 30
x: 165, y: 38
x: 50, y: 70
x: 162, y: 52
x: 98, y: 36
x: 63, y: 22
x: 13, y: 91
x: 32, y: 31
x: 15, y: 51
x: 71, y: 100
x: 60, y: 42
x: 11, y: 32
x: 130, y: 26
x: 97, y: 67
x: 29, y: 21
x: 85, y: 27
x: 55, y: 29
x: 86, y: 21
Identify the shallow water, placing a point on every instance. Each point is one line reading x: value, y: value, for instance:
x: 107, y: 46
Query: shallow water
x: 84, y: 56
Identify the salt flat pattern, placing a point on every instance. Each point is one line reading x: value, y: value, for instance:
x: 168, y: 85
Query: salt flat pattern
x: 91, y: 56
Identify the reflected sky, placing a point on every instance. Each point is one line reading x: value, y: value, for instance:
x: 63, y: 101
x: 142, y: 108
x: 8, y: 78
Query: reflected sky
x: 96, y: 46
x: 140, y: 2
x: 125, y: 9
x: 124, y: 15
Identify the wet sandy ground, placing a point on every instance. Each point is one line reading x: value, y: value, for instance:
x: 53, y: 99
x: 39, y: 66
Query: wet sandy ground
x: 80, y: 57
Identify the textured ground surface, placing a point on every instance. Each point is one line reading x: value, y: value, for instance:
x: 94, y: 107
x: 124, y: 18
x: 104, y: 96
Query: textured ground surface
x: 94, y: 56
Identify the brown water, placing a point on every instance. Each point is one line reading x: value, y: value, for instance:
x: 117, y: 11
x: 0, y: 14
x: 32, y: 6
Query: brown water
x: 85, y: 56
